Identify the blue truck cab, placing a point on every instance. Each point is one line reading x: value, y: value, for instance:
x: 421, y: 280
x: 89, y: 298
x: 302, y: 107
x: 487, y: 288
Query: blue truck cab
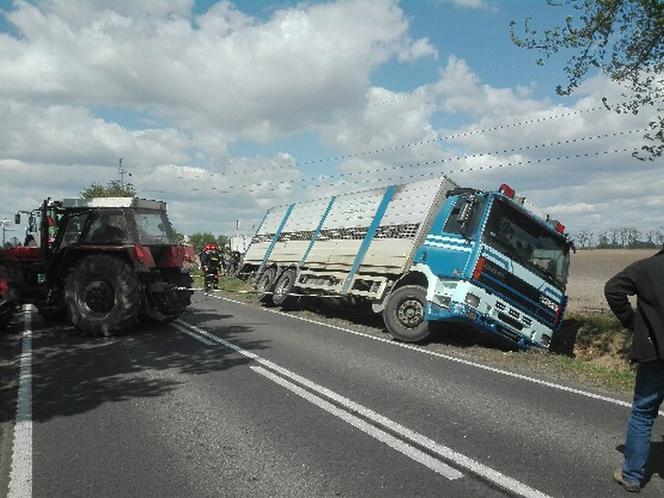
x: 494, y: 263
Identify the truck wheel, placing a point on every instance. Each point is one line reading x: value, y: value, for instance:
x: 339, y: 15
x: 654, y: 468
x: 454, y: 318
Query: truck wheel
x: 265, y: 284
x: 404, y: 314
x: 103, y: 295
x: 284, y: 286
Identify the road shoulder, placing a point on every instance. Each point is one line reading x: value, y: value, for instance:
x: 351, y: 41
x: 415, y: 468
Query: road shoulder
x: 10, y: 346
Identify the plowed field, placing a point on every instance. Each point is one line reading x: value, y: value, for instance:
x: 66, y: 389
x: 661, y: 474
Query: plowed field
x: 589, y: 271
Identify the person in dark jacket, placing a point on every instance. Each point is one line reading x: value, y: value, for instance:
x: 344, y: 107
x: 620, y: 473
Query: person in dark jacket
x: 645, y: 279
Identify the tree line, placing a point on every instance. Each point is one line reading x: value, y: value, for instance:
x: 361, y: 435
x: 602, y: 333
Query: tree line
x: 627, y: 237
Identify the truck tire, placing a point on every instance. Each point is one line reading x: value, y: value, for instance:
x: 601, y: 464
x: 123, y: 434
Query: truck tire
x: 284, y: 286
x: 103, y: 295
x: 404, y: 314
x: 265, y: 284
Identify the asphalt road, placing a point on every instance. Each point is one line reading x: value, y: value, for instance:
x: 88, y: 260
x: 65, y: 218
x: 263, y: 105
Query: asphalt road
x: 238, y: 401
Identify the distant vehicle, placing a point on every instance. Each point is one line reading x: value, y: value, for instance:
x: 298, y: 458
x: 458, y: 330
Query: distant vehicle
x: 101, y: 262
x: 421, y: 252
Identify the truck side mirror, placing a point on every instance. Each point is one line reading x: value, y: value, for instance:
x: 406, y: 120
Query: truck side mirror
x: 17, y: 218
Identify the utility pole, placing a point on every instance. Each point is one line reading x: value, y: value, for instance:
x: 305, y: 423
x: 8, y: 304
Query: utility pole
x: 121, y: 171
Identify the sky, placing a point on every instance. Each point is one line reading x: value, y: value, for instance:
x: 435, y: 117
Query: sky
x: 225, y: 109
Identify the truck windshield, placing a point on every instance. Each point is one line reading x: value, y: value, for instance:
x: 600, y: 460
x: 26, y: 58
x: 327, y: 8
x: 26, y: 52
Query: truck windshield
x: 527, y: 242
x: 153, y: 227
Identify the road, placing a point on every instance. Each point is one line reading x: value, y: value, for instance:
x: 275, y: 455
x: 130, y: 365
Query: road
x: 239, y: 401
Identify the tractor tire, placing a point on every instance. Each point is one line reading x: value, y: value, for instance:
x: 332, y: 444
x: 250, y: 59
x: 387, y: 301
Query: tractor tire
x: 264, y: 286
x: 103, y: 295
x: 283, y: 287
x: 404, y: 314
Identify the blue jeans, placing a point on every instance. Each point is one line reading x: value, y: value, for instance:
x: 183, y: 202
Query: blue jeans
x: 648, y: 396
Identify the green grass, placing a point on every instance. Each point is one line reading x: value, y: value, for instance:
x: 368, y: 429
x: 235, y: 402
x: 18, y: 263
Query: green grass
x: 614, y: 377
x: 227, y: 284
x: 592, y: 336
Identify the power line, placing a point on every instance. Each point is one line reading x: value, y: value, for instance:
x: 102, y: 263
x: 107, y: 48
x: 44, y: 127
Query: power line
x: 287, y: 184
x: 392, y: 180
x: 422, y: 142
x: 453, y: 136
x: 422, y: 163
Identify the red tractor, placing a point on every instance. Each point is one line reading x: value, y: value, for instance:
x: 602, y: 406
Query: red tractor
x: 101, y: 263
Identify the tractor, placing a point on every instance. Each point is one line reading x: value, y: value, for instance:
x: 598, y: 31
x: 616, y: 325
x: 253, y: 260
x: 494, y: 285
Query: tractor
x: 100, y: 263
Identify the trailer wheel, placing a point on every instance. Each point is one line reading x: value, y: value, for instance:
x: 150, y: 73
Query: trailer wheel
x: 284, y: 286
x: 103, y: 295
x: 404, y: 314
x: 265, y: 284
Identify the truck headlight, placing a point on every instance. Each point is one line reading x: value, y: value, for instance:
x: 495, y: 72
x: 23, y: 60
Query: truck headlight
x: 472, y: 300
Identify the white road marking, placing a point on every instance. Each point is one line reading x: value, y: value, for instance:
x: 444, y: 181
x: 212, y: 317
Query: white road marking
x: 20, y: 478
x: 545, y: 383
x: 459, y: 459
x: 195, y: 336
x: 382, y: 436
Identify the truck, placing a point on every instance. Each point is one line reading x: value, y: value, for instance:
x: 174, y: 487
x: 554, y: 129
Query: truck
x: 99, y: 262
x: 420, y: 253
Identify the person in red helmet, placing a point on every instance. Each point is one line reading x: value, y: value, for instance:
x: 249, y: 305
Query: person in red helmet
x: 210, y: 264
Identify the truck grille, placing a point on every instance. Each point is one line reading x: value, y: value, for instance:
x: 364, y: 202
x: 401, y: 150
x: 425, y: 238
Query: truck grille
x: 524, y: 296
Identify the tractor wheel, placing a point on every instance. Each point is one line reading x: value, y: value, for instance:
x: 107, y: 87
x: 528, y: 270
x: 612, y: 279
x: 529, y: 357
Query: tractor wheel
x: 103, y: 295
x: 265, y: 284
x: 285, y: 285
x: 404, y: 314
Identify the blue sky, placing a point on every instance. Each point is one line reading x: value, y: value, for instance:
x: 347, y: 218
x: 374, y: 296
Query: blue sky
x: 204, y: 97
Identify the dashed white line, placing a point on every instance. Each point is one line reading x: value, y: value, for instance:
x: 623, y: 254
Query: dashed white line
x: 20, y: 478
x: 461, y: 361
x: 382, y: 436
x: 448, y: 454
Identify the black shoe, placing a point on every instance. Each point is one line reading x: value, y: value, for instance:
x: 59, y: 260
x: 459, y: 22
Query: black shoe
x: 630, y: 487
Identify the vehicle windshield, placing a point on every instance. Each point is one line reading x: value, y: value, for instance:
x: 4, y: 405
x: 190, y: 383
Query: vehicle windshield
x: 153, y: 227
x: 514, y: 234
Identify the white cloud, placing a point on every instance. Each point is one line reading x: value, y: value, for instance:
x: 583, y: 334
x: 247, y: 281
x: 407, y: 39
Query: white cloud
x: 221, y: 69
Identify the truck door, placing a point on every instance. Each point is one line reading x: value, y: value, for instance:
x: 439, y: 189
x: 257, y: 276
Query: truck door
x: 449, y: 245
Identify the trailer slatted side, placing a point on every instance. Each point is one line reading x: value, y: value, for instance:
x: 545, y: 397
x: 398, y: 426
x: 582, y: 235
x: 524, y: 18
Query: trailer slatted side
x: 372, y: 232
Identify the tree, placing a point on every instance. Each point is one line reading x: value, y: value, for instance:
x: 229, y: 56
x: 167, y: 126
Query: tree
x: 583, y: 238
x: 222, y: 240
x: 199, y: 239
x: 179, y: 236
x: 623, y: 38
x: 603, y: 240
x: 114, y: 188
